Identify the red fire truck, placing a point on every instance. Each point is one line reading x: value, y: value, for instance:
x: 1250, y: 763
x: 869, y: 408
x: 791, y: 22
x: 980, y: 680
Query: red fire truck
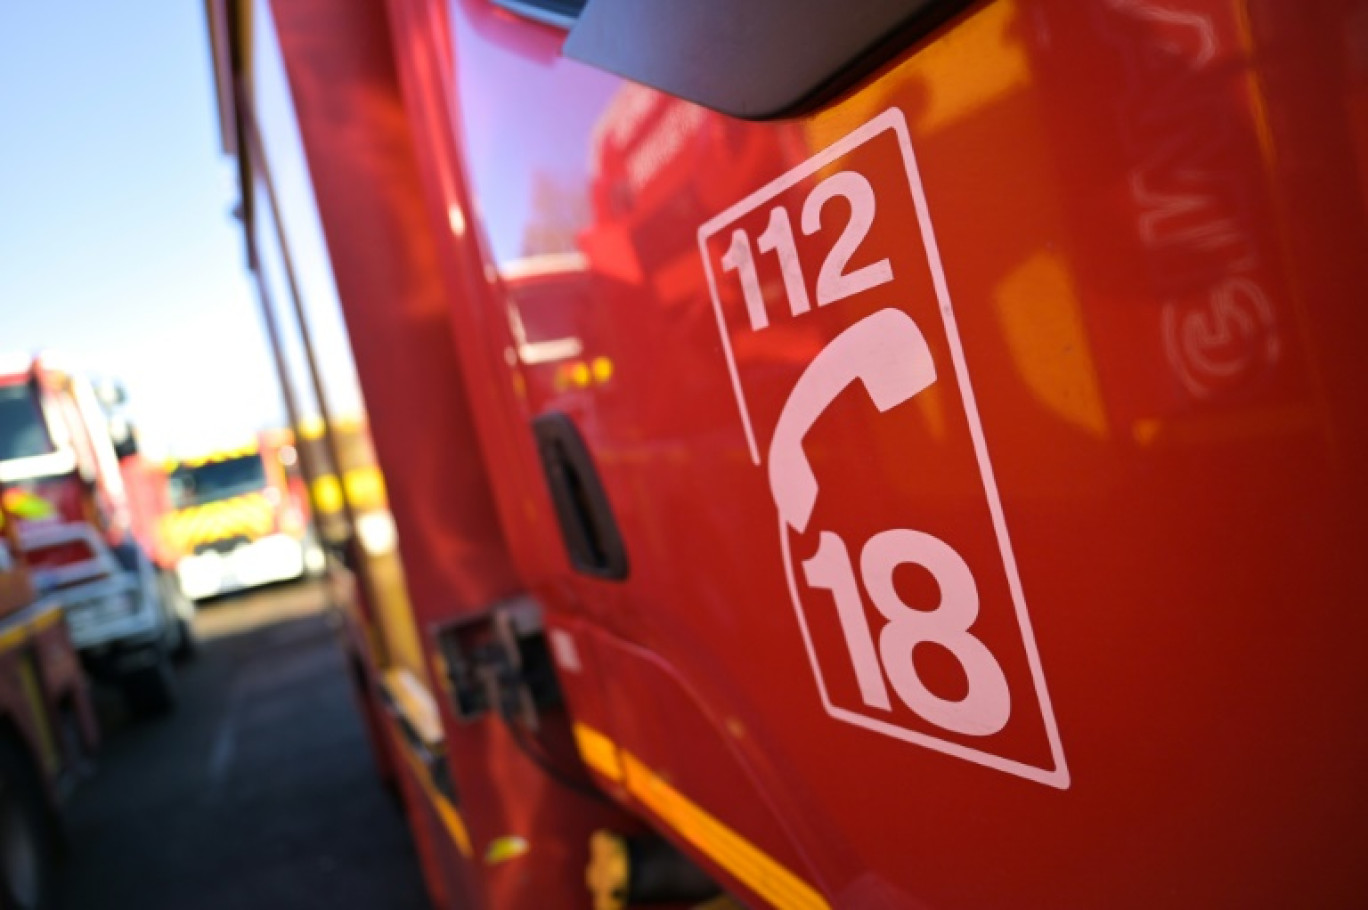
x: 47, y: 726
x: 890, y: 454
x: 87, y: 507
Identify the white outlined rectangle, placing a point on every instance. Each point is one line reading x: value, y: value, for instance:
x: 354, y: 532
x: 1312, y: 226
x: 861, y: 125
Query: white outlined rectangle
x: 893, y: 119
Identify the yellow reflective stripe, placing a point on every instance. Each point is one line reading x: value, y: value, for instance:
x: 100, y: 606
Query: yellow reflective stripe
x: 730, y: 850
x: 33, y: 694
x: 415, y: 703
x: 13, y: 637
x: 327, y: 493
x: 21, y: 633
x: 365, y: 487
x: 751, y: 865
x: 312, y: 427
x: 47, y: 619
x: 451, y: 819
x: 251, y: 516
x: 598, y: 752
x: 214, y: 457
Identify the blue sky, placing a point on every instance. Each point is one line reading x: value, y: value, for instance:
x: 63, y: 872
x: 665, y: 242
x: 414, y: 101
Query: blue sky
x: 116, y: 242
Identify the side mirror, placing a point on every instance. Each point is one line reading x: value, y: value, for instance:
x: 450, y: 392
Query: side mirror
x: 124, y: 437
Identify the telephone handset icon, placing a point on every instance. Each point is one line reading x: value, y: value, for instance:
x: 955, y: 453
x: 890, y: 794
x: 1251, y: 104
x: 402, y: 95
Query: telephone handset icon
x: 887, y: 354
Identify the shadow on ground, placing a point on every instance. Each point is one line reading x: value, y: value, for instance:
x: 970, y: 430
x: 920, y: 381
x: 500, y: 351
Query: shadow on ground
x: 259, y: 792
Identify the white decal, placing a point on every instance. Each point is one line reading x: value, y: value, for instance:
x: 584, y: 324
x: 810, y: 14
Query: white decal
x: 833, y: 282
x: 864, y: 636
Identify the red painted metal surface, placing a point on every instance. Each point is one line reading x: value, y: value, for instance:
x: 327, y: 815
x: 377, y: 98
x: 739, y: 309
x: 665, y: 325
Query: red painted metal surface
x: 337, y: 58
x: 366, y: 177
x: 1086, y: 420
x: 1149, y: 223
x: 44, y: 699
x: 382, y: 261
x: 149, y: 501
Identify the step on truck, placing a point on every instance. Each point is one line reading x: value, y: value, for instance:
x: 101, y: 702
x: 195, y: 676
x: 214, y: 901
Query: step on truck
x: 87, y: 509
x: 48, y: 734
x: 889, y: 454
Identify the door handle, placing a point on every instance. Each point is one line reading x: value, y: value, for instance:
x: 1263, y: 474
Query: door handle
x: 587, y: 525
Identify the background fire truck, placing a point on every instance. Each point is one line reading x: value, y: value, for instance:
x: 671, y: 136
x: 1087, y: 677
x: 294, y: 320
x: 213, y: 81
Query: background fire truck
x: 238, y: 518
x: 88, y: 507
x: 889, y: 460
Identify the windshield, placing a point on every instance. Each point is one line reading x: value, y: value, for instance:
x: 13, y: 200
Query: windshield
x: 23, y: 433
x: 217, y: 480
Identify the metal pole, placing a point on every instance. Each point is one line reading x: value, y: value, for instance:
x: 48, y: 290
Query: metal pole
x: 307, y: 466
x: 257, y: 151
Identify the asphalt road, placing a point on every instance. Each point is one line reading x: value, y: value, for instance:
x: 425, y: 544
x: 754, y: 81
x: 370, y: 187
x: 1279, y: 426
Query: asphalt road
x: 259, y: 792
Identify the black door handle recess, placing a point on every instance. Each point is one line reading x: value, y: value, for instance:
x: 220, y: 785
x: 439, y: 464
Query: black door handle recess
x: 586, y: 520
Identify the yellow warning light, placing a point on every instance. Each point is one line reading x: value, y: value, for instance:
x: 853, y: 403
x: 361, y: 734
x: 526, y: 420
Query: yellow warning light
x: 579, y: 374
x: 28, y: 505
x: 602, y: 368
x: 327, y: 493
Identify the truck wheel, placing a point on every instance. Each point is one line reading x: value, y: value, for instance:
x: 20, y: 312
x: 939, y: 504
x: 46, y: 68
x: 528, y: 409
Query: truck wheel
x: 28, y: 834
x: 151, y: 691
x: 178, y: 611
